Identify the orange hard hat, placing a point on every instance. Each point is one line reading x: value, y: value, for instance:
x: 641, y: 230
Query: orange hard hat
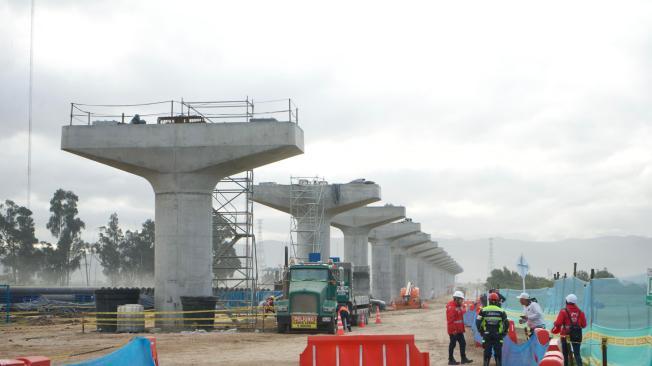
x: 493, y: 296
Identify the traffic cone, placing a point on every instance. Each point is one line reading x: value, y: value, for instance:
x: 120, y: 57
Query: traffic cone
x: 362, y: 320
x: 378, y: 315
x: 340, y: 327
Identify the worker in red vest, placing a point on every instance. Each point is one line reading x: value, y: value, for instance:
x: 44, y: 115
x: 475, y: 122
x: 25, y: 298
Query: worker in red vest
x: 569, y: 324
x: 455, y: 324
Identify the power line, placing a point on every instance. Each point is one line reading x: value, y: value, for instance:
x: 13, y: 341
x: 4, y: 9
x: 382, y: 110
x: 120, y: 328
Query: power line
x: 29, y: 107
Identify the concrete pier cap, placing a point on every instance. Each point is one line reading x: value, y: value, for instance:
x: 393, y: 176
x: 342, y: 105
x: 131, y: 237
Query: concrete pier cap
x: 358, y: 223
x: 336, y: 199
x: 424, y: 249
x: 183, y: 162
x: 411, y: 241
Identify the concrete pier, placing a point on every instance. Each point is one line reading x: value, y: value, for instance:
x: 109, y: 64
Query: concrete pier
x: 400, y: 269
x: 382, y: 258
x: 183, y: 163
x: 336, y: 199
x: 356, y: 225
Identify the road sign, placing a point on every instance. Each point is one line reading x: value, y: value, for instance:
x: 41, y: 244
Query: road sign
x: 523, y: 268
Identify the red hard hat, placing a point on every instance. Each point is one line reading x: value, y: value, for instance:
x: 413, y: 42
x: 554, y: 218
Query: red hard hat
x: 493, y: 296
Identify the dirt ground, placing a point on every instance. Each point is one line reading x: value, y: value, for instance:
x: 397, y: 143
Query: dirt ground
x: 65, y: 343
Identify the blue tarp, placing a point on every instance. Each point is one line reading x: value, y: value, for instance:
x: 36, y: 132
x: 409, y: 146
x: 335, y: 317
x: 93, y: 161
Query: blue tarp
x: 525, y: 354
x: 137, y: 352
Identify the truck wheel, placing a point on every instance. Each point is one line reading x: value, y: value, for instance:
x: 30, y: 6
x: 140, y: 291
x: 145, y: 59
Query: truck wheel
x: 332, y: 328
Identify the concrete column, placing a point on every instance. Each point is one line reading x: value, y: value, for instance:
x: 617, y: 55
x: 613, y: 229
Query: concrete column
x: 183, y: 163
x: 399, y: 278
x: 381, y: 270
x: 336, y: 199
x: 411, y: 270
x: 382, y: 258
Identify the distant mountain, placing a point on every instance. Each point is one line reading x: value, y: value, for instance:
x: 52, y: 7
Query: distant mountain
x: 626, y: 257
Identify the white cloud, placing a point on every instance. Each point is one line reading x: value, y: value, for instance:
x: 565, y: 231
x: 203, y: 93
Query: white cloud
x: 522, y: 119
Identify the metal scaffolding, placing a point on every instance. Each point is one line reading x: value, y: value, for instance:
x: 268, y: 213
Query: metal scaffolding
x: 307, y: 214
x: 234, y: 243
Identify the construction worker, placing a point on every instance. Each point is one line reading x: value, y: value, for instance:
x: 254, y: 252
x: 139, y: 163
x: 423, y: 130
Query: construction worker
x: 269, y: 305
x: 533, y: 316
x: 493, y: 325
x: 483, y: 298
x: 455, y: 324
x: 345, y: 315
x: 569, y: 324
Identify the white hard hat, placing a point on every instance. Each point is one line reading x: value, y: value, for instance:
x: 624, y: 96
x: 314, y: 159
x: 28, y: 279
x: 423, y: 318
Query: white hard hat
x: 459, y: 294
x: 571, y: 299
x: 524, y: 296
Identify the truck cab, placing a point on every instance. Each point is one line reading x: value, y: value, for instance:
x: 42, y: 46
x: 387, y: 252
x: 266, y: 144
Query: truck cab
x: 310, y: 301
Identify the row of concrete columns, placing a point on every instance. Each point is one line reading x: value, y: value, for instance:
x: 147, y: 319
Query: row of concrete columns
x: 400, y: 252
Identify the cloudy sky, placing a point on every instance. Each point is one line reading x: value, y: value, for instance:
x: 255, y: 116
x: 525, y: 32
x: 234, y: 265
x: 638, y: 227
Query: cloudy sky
x: 525, y: 120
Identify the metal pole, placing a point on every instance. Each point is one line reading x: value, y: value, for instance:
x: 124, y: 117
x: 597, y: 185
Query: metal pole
x: 89, y: 118
x: 575, y: 269
x: 290, y: 110
x: 296, y: 115
x: 604, y: 352
x: 123, y: 118
x: 71, y: 107
x: 7, y: 305
x: 172, y: 108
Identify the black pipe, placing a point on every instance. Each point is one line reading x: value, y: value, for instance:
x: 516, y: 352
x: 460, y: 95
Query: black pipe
x: 604, y: 351
x: 286, y: 257
x: 592, y: 273
x: 575, y: 269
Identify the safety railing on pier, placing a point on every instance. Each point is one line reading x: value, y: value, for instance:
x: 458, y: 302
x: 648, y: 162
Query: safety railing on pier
x: 172, y: 111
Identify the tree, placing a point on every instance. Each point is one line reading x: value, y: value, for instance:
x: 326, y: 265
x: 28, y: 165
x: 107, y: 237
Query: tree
x: 225, y: 261
x: 137, y: 254
x: 17, y: 242
x: 510, y: 279
x: 601, y: 273
x: 108, y: 249
x: 66, y: 227
x: 582, y: 275
x: 604, y: 273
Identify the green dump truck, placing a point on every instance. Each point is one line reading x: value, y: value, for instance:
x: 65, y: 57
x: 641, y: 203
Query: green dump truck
x: 311, y: 295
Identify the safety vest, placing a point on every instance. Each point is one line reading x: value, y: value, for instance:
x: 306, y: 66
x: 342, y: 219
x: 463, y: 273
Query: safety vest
x: 492, y: 319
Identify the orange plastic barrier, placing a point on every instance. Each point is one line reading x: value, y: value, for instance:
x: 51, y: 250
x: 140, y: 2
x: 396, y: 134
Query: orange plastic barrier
x: 543, y: 336
x: 552, y: 358
x: 554, y: 345
x: 35, y: 360
x: 381, y: 350
x: 152, y: 343
x: 7, y: 362
x: 511, y: 333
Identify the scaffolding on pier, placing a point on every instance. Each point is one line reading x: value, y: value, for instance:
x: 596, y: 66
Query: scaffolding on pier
x: 307, y: 214
x: 235, y: 264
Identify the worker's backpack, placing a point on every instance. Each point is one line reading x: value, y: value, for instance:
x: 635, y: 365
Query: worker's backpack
x: 574, y: 330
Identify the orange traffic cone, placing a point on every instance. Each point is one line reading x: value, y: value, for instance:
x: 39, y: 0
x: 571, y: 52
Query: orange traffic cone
x: 362, y: 320
x: 340, y: 327
x: 378, y: 315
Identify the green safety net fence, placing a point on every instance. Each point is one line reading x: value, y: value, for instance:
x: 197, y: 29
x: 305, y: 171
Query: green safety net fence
x: 614, y: 309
